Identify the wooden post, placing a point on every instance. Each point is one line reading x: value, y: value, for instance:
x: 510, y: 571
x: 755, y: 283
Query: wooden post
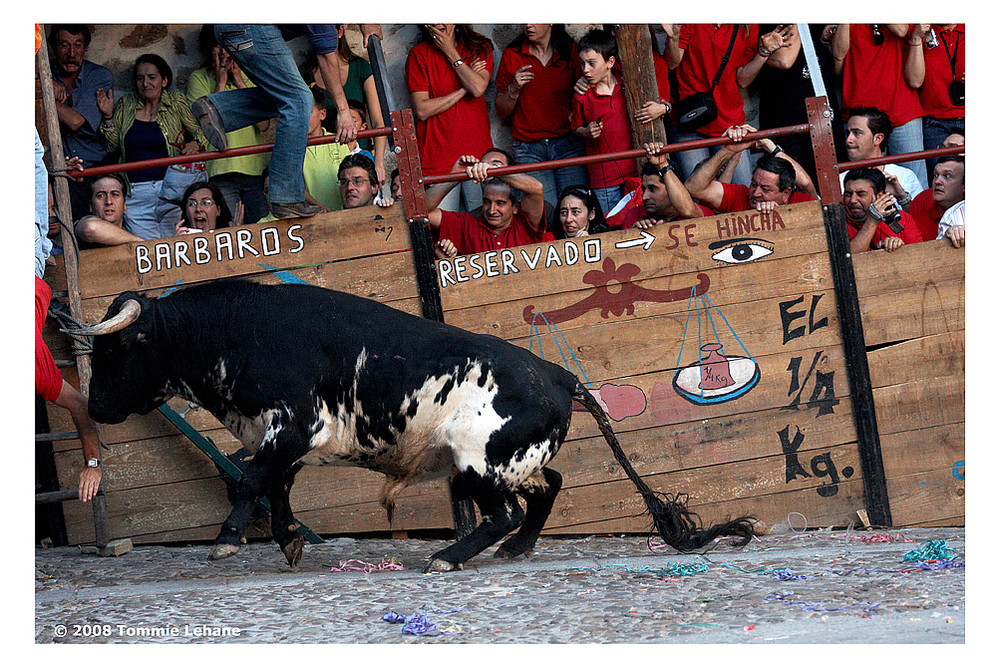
x: 635, y: 51
x: 851, y: 324
x: 72, y: 260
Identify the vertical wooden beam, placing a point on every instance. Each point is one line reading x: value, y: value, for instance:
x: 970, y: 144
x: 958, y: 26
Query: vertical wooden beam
x: 851, y: 325
x: 635, y: 51
x: 72, y: 260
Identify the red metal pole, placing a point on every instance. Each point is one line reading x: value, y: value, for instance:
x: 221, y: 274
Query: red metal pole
x: 199, y: 157
x: 607, y: 157
x: 903, y: 157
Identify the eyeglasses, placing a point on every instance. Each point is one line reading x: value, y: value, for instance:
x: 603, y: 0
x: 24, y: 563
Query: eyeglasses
x: 194, y: 203
x: 357, y: 181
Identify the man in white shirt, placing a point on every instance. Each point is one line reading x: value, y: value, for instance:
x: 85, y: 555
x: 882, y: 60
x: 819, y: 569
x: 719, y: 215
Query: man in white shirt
x: 868, y: 130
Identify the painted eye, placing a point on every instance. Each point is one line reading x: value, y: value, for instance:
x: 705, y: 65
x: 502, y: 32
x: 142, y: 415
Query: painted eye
x: 740, y: 251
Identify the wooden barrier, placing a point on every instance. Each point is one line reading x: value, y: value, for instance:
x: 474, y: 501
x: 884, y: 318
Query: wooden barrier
x: 714, y: 343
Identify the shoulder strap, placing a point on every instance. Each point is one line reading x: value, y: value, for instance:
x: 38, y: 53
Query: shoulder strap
x: 725, y: 58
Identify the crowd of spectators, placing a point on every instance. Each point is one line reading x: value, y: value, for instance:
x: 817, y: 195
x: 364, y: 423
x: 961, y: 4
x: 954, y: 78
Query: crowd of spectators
x: 898, y: 88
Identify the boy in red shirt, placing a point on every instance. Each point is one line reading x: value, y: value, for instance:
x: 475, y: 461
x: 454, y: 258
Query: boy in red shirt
x: 600, y: 118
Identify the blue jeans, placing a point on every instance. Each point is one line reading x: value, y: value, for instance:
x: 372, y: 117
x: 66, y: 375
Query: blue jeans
x: 909, y: 138
x: 545, y: 150
x: 43, y: 246
x: 263, y: 55
x: 688, y: 160
x: 243, y: 188
x: 936, y: 130
x: 609, y: 196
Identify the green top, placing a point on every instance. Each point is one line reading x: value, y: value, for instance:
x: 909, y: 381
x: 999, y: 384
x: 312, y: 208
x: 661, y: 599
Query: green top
x: 173, y: 116
x: 202, y: 82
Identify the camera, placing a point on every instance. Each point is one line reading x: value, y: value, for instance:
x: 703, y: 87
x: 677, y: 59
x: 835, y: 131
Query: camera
x: 893, y: 218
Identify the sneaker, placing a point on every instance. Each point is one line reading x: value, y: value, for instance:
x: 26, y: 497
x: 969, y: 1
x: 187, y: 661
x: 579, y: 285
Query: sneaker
x: 211, y: 122
x: 301, y: 209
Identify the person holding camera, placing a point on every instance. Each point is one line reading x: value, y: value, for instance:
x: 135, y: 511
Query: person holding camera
x: 874, y: 220
x: 942, y: 95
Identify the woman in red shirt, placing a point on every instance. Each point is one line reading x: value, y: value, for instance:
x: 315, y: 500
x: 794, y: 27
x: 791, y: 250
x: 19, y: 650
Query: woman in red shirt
x: 447, y: 74
x: 534, y: 94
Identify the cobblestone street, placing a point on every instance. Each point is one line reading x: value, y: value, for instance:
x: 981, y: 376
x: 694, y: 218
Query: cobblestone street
x: 814, y: 587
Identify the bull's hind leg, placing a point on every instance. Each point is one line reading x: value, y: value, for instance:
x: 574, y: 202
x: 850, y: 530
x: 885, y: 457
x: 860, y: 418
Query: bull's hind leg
x: 283, y: 527
x: 539, y: 494
x: 501, y: 514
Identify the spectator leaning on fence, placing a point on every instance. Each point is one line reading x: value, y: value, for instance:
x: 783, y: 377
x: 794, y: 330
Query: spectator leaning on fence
x: 513, y: 214
x: 947, y: 189
x: 870, y: 210
x: 777, y: 178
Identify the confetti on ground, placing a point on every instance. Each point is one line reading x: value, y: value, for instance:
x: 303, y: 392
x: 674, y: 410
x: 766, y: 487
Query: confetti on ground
x: 362, y: 566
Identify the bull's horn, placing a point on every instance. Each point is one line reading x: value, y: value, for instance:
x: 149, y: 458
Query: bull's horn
x: 127, y: 315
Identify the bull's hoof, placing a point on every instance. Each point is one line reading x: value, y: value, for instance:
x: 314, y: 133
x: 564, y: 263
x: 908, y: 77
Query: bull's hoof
x: 293, y: 550
x: 438, y: 565
x: 502, y: 552
x: 220, y: 551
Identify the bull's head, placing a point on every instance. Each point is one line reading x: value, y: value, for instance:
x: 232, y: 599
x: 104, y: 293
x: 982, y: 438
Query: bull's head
x: 128, y: 376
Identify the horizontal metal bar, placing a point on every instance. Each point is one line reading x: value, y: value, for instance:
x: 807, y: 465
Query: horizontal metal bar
x: 902, y: 157
x: 620, y: 155
x: 200, y: 157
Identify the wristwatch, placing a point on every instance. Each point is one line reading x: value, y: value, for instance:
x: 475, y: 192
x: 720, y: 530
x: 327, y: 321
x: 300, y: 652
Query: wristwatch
x: 458, y: 62
x: 774, y: 153
x: 93, y: 463
x: 665, y: 168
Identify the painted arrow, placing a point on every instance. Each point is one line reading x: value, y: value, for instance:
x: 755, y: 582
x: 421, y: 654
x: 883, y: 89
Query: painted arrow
x: 646, y: 241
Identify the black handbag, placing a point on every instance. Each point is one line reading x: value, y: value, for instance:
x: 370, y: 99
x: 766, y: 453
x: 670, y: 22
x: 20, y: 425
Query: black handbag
x: 698, y: 109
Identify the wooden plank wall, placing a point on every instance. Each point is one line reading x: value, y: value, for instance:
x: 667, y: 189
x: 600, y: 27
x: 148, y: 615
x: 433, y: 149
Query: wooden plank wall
x: 160, y: 487
x: 769, y: 432
x: 625, y: 317
x: 913, y: 306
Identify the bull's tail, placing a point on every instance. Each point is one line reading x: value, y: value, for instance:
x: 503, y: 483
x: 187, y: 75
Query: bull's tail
x: 676, y: 524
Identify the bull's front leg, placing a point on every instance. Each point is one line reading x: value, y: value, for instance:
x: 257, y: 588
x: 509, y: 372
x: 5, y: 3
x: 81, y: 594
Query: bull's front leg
x: 268, y: 469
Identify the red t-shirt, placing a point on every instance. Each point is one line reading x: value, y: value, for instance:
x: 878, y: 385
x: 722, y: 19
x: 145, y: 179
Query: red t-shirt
x: 462, y: 129
x: 910, y: 233
x: 615, y: 137
x: 873, y: 75
x: 736, y: 197
x: 470, y: 234
x: 48, y: 381
x: 925, y: 212
x: 705, y: 45
x: 543, y: 106
x: 934, y: 95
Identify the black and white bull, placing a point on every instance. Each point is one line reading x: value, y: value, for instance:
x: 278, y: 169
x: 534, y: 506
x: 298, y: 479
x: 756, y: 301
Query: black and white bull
x: 303, y: 375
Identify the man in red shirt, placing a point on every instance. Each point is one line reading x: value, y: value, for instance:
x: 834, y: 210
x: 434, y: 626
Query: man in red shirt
x: 944, y: 83
x: 947, y: 189
x: 663, y: 197
x: 513, y: 214
x: 868, y: 208
x: 777, y: 179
